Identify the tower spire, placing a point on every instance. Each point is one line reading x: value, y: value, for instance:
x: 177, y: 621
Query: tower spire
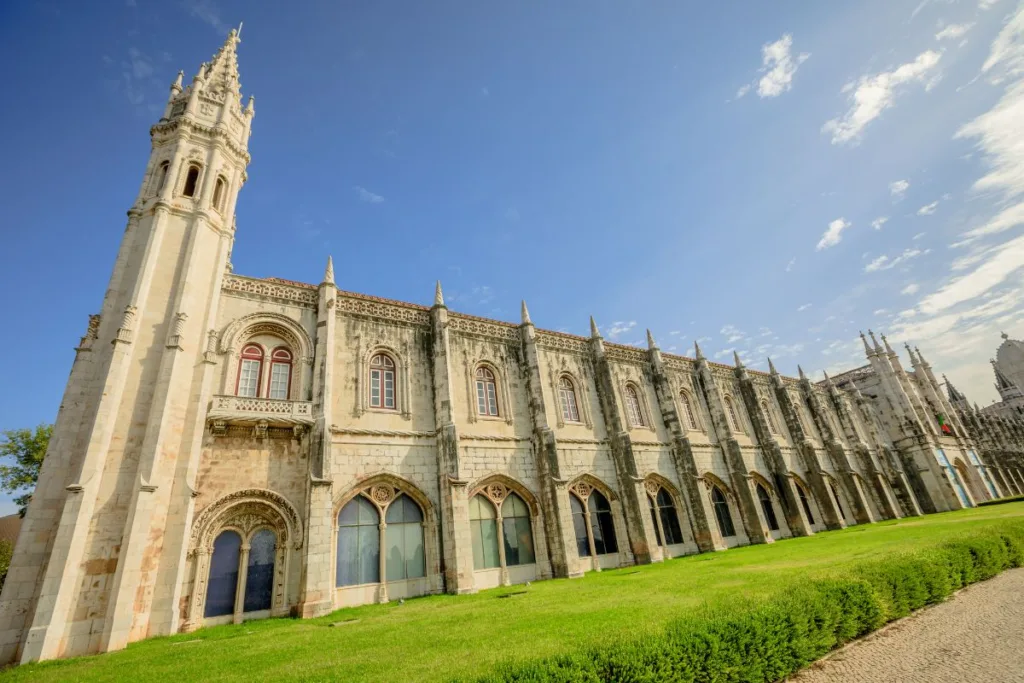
x: 650, y: 340
x: 771, y: 367
x: 438, y: 294
x: 593, y: 328
x: 526, y: 314
x: 221, y: 73
x: 736, y: 358
x: 867, y: 347
x: 696, y: 349
x: 329, y: 272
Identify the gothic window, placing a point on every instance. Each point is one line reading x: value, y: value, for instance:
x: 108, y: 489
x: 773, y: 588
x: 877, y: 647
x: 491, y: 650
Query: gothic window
x: 486, y: 392
x: 280, y: 373
x: 361, y: 537
x: 382, y: 381
x: 218, y: 193
x: 567, y: 397
x: 161, y: 175
x: 767, y: 507
x: 517, y: 531
x: 633, y: 412
x: 593, y: 523
x: 663, y: 510
x: 223, y: 582
x: 722, y: 514
x: 483, y: 524
x: 358, y: 543
x: 689, y: 416
x: 730, y: 413
x: 404, y: 540
x: 839, y: 501
x: 249, y: 371
x: 259, y: 573
x: 191, y: 180
x: 769, y: 417
x: 802, y: 495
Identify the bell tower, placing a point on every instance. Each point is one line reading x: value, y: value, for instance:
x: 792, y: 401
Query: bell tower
x: 99, y: 559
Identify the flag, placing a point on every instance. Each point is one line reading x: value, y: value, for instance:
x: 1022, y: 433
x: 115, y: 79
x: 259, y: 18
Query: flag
x: 943, y: 426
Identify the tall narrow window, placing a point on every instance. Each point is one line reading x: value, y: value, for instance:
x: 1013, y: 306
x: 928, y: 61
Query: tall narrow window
x: 730, y: 412
x: 689, y: 416
x: 486, y: 392
x: 769, y: 417
x: 580, y: 526
x: 669, y: 518
x: 191, y: 180
x: 223, y: 581
x: 358, y: 543
x: 601, y: 524
x: 259, y: 575
x: 161, y: 175
x: 516, y: 531
x: 249, y: 370
x: 218, y: 194
x: 804, y: 502
x: 767, y: 508
x: 636, y: 417
x: 839, y: 501
x: 722, y: 513
x: 280, y: 373
x: 382, y: 381
x: 483, y: 525
x: 567, y: 396
x: 403, y: 540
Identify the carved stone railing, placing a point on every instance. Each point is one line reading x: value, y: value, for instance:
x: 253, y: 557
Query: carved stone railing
x: 225, y: 410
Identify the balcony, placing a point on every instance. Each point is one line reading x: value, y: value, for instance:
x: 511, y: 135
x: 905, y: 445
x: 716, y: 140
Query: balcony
x: 259, y: 413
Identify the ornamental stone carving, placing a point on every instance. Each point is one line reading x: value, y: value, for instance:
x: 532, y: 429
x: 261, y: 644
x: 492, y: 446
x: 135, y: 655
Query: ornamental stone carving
x: 124, y: 333
x: 496, y: 492
x: 272, y: 509
x: 382, y: 494
x: 652, y: 487
x: 582, y: 489
x: 177, y: 330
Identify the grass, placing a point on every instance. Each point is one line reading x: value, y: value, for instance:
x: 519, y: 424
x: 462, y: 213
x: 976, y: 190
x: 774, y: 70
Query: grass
x: 437, y: 638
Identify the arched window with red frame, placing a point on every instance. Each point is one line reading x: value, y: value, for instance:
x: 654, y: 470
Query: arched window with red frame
x: 280, y: 373
x: 382, y: 382
x: 250, y: 368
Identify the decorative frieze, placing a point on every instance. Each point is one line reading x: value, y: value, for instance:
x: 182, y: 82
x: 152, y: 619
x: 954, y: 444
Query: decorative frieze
x: 242, y: 409
x: 483, y: 328
x: 625, y: 354
x: 298, y: 295
x: 376, y: 308
x: 558, y: 341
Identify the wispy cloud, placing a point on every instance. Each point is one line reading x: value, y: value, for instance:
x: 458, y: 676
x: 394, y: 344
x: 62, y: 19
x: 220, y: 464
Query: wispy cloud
x: 803, y: 307
x: 912, y: 288
x: 872, y: 95
x: 953, y: 31
x: 780, y: 66
x: 928, y: 209
x: 884, y: 262
x: 792, y: 262
x: 620, y: 328
x: 732, y: 334
x: 833, y: 234
x: 879, y: 222
x: 898, y: 188
x: 367, y: 196
x: 919, y: 235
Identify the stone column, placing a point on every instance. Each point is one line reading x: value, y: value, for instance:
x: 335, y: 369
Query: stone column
x: 456, y: 538
x: 556, y: 514
x: 699, y: 510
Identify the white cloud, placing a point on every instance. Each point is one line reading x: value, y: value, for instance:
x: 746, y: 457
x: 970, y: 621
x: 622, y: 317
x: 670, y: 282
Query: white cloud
x: 1001, y: 262
x: 986, y: 4
x: 953, y: 31
x: 619, y: 328
x: 792, y: 262
x: 883, y: 262
x: 1008, y: 218
x: 879, y: 222
x: 912, y: 288
x: 367, y: 196
x: 732, y: 334
x: 928, y: 209
x: 779, y: 67
x: 898, y: 188
x: 919, y: 235
x: 804, y: 307
x: 874, y: 94
x: 743, y: 90
x: 833, y: 235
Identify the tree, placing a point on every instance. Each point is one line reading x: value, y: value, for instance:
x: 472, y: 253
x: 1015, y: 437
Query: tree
x: 26, y: 447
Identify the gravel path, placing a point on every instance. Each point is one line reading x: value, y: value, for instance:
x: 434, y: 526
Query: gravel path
x: 975, y: 637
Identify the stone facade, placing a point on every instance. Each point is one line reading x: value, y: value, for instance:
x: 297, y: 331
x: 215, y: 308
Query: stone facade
x: 333, y: 448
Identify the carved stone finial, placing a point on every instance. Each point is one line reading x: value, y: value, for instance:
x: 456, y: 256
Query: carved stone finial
x: 438, y: 295
x: 696, y: 350
x: 92, y: 332
x: 176, y: 86
x: 593, y: 328
x: 878, y: 348
x: 868, y: 351
x: 650, y: 341
x: 736, y: 359
x: 329, y: 272
x: 888, y: 349
x: 124, y: 333
x: 771, y: 367
x: 177, y: 330
x: 526, y: 314
x: 800, y: 370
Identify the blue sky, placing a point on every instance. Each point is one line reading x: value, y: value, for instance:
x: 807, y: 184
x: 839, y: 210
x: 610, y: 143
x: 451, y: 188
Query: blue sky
x: 769, y: 177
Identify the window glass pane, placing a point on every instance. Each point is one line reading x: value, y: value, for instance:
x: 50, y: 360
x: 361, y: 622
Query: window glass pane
x: 394, y: 542
x: 375, y: 388
x: 518, y: 541
x: 248, y: 381
x: 485, y: 543
x: 654, y: 521
x: 492, y: 399
x: 348, y: 556
x: 722, y: 513
x: 415, y: 557
x: 259, y: 578
x: 223, y: 581
x: 481, y: 399
x: 358, y: 559
x: 481, y: 508
x: 574, y: 413
x: 279, y: 380
x: 601, y: 524
x: 389, y: 389
x: 579, y: 524
x: 369, y: 554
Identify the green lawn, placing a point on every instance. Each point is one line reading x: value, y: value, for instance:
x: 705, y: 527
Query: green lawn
x: 438, y: 637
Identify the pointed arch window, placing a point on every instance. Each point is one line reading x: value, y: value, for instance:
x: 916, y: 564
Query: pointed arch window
x: 191, y: 181
x: 250, y: 370
x: 486, y: 392
x: 731, y: 415
x: 382, y: 382
x: 665, y: 518
x: 839, y: 501
x: 358, y: 543
x: 161, y: 175
x: 369, y: 551
x: 517, y: 531
x: 633, y: 412
x: 767, y: 507
x: 769, y: 417
x: 403, y: 538
x: 259, y: 573
x: 593, y: 523
x: 223, y: 582
x: 218, y: 193
x: 802, y: 495
x: 722, y: 514
x: 280, y: 373
x: 689, y: 415
x: 483, y: 524
x: 567, y: 398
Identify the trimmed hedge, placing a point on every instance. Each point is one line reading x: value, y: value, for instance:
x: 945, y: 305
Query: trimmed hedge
x: 772, y: 640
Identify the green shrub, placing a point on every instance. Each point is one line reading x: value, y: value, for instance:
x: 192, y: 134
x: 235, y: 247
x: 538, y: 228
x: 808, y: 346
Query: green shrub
x: 769, y: 641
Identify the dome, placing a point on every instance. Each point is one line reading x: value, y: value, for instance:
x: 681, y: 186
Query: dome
x: 1010, y: 360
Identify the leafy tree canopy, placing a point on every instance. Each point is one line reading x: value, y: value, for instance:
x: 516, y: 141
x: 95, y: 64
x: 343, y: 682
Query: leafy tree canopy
x: 22, y: 451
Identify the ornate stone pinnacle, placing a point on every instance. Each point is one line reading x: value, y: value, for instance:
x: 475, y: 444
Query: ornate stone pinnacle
x: 650, y: 341
x: 736, y: 358
x: 526, y: 314
x: 329, y: 272
x: 867, y: 347
x: 800, y: 370
x: 696, y: 349
x: 593, y: 328
x: 771, y: 366
x: 438, y: 295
